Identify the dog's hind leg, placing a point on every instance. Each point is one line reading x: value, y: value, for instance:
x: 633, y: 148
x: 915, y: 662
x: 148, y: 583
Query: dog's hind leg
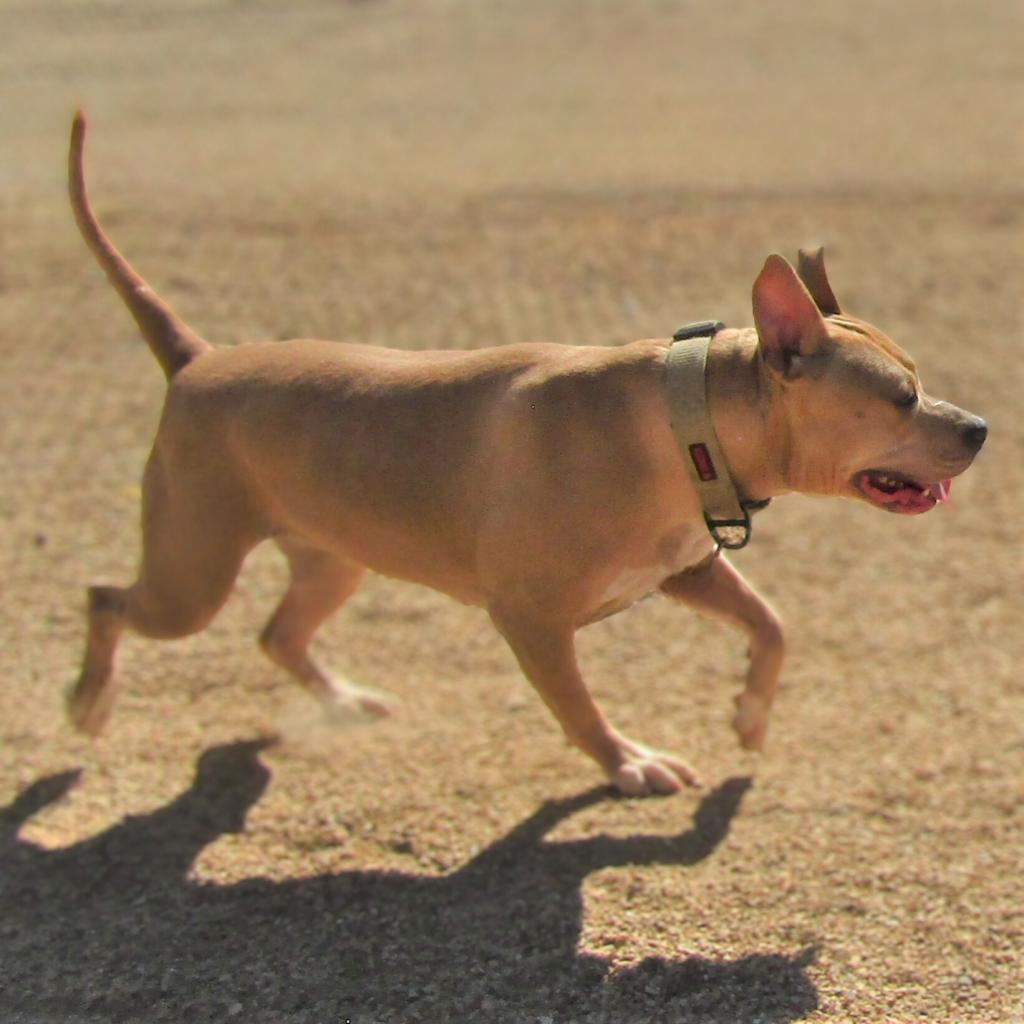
x: 321, y: 582
x: 90, y: 701
x: 190, y: 559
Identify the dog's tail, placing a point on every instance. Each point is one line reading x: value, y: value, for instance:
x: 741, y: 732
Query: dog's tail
x: 173, y: 344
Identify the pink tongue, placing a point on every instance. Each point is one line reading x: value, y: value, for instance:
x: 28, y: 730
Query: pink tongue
x: 911, y: 497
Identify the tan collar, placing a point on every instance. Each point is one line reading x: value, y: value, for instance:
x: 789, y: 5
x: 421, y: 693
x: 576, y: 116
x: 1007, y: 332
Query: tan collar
x: 726, y: 516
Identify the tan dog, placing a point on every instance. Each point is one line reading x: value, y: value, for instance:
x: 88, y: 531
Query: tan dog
x: 541, y: 482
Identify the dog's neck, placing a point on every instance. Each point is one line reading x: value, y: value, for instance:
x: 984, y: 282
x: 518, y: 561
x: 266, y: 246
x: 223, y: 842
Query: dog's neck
x: 747, y: 417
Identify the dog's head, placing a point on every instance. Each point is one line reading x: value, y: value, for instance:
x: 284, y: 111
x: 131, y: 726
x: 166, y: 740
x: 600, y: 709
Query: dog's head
x: 858, y: 420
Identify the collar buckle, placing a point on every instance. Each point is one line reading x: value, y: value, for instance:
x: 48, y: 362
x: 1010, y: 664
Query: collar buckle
x: 698, y: 329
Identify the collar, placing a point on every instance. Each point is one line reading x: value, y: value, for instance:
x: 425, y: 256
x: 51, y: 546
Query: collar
x: 726, y: 515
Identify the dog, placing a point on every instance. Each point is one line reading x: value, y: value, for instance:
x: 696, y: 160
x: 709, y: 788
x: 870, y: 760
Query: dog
x: 545, y: 483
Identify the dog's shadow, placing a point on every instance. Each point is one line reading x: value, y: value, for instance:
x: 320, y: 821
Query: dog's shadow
x: 113, y: 928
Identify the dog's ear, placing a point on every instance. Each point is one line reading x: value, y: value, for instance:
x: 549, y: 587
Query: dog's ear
x: 789, y: 326
x: 811, y: 268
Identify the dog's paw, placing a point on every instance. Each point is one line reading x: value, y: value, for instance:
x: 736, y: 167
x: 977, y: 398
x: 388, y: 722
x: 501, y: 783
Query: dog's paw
x: 349, y: 704
x: 645, y: 772
x: 750, y: 722
x: 88, y: 704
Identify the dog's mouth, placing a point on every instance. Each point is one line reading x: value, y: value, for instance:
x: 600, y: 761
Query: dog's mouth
x: 897, y: 493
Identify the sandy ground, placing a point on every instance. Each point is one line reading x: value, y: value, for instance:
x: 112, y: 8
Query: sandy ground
x: 449, y: 173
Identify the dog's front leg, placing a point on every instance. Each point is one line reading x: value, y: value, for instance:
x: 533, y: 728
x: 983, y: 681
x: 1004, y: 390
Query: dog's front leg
x: 718, y: 590
x: 547, y: 655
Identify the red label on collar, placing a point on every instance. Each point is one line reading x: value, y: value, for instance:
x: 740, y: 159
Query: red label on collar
x: 702, y: 462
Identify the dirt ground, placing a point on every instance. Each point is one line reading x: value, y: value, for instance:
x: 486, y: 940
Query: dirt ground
x: 436, y: 173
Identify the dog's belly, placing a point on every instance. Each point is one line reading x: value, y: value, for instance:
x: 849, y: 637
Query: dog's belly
x: 395, y: 553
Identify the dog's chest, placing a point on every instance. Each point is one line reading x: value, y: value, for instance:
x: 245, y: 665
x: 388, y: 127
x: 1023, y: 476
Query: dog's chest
x: 631, y: 582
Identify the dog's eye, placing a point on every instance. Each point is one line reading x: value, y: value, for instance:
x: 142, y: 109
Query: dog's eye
x: 907, y: 400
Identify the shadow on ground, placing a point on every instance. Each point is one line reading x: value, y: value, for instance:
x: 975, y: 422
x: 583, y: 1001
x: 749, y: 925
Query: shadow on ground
x: 113, y: 929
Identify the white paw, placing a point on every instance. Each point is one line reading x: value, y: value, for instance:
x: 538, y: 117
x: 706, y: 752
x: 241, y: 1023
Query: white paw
x: 645, y: 772
x: 349, y: 704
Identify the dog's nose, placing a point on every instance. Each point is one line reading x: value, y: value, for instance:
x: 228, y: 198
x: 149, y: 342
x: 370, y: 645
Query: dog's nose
x: 975, y: 433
